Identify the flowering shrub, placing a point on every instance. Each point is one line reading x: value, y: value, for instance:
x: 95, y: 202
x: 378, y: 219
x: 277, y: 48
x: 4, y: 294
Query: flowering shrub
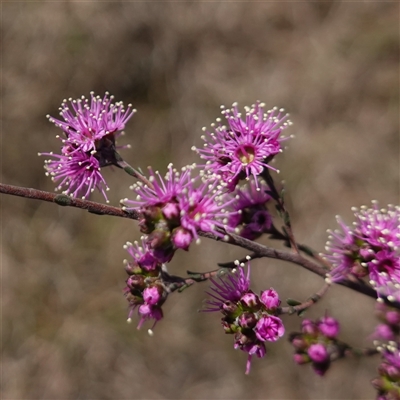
x: 232, y: 198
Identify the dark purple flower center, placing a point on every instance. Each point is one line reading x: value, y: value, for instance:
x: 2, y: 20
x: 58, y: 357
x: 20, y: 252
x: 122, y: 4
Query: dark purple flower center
x: 105, y: 150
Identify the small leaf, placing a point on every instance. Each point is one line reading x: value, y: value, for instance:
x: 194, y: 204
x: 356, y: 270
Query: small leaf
x: 286, y: 218
x: 293, y: 302
x: 302, y: 312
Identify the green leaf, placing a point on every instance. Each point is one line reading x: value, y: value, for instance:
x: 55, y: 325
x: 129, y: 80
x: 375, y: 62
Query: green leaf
x: 293, y: 302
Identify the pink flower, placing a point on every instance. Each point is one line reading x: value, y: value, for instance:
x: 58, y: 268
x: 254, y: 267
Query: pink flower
x: 142, y: 256
x: 231, y: 288
x: 86, y: 122
x: 151, y: 295
x: 245, y: 146
x: 147, y: 312
x: 269, y: 328
x: 252, y: 348
x: 76, y: 172
x: 88, y: 144
x: 176, y: 207
x: 252, y: 218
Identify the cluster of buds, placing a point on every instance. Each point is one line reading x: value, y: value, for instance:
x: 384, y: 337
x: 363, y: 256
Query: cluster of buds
x: 144, y: 289
x: 370, y: 248
x: 317, y: 343
x: 251, y: 318
x: 387, y: 342
x: 388, y: 382
x: 252, y: 218
x: 176, y: 207
x: 389, y: 327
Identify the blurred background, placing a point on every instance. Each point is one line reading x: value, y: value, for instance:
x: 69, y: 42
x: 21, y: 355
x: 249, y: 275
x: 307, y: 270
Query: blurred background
x: 333, y: 65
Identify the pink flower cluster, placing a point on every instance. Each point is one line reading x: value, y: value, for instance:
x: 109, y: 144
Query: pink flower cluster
x: 251, y: 318
x: 371, y: 247
x: 145, y: 290
x: 316, y: 343
x: 387, y: 341
x: 90, y: 129
x: 246, y: 145
x: 388, y: 382
x: 252, y: 218
x: 389, y: 327
x: 175, y: 207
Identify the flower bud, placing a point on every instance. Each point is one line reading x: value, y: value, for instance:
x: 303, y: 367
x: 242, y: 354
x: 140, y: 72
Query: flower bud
x: 270, y: 299
x: 171, y: 211
x: 136, y: 282
x: 318, y: 353
x: 249, y: 300
x: 309, y: 327
x: 181, y: 238
x: 228, y: 307
x: 132, y: 268
x: 393, y: 317
x: 299, y: 343
x: 383, y: 332
x: 301, y: 358
x: 329, y: 327
x: 247, y: 320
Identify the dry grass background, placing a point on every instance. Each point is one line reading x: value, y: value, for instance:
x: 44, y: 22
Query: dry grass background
x: 333, y: 65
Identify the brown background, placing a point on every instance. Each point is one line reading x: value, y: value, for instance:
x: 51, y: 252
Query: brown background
x: 333, y: 65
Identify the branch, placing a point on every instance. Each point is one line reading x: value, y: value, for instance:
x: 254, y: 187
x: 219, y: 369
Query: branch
x: 308, y: 303
x: 258, y: 249
x: 131, y: 171
x: 178, y: 283
x: 264, y: 251
x: 67, y: 201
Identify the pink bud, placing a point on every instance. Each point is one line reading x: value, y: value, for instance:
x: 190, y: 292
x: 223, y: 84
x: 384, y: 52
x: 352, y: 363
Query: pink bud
x: 270, y: 299
x: 318, y: 353
x: 329, y: 327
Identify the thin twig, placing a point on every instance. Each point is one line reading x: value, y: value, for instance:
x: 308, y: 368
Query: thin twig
x: 281, y: 208
x: 132, y: 171
x: 67, y: 201
x: 178, y: 283
x: 264, y: 251
x: 308, y: 303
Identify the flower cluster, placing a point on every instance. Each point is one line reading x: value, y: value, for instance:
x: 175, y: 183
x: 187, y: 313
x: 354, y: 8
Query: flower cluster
x: 175, y: 207
x: 145, y: 290
x: 389, y: 327
x: 316, y: 343
x: 252, y: 217
x: 388, y: 382
x: 387, y: 341
x: 90, y: 129
x: 251, y: 318
x: 246, y: 145
x: 370, y: 248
